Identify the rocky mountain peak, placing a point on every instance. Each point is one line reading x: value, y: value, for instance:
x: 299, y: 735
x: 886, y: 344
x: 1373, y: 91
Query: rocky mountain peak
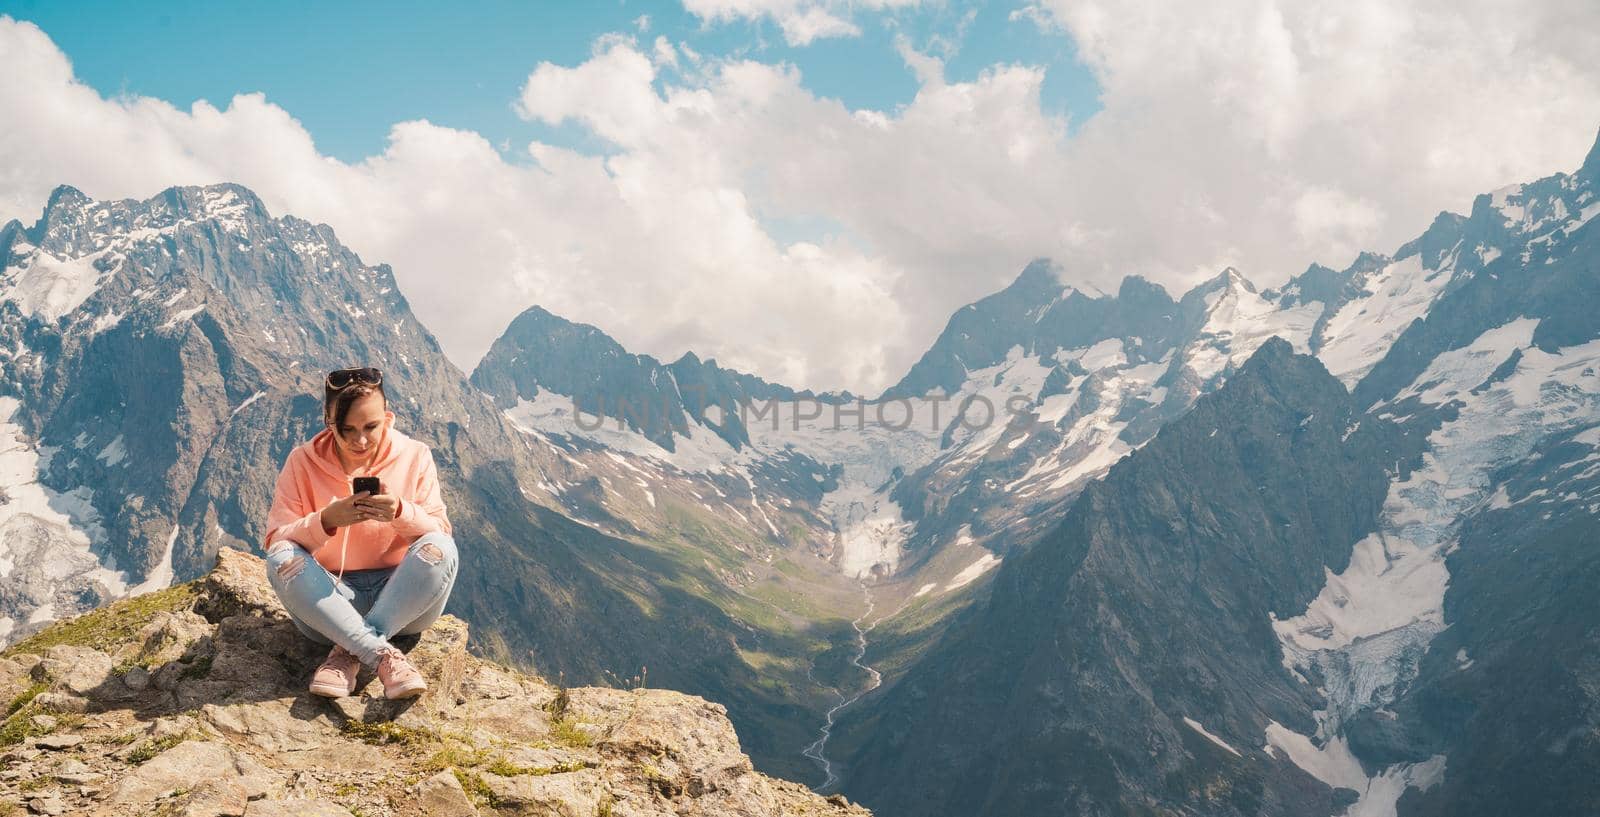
x: 65, y: 197
x: 1138, y: 288
x: 1591, y: 163
x: 543, y: 360
x: 192, y: 701
x: 1223, y: 290
x: 1229, y: 279
x: 9, y: 233
x: 215, y: 201
x: 1039, y: 280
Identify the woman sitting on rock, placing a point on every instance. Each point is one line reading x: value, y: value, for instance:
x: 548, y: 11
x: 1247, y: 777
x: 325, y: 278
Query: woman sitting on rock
x: 357, y: 568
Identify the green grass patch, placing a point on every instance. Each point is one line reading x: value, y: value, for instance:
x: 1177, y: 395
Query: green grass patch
x: 477, y: 790
x: 506, y: 768
x: 200, y: 668
x: 384, y: 733
x: 24, y: 698
x: 119, y: 739
x: 787, y: 567
x: 107, y: 627
x: 565, y: 731
x: 457, y: 757
x: 19, y: 725
x: 150, y: 748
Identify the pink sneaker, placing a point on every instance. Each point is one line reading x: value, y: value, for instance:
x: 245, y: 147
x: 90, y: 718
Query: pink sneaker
x: 336, y: 677
x: 400, y: 677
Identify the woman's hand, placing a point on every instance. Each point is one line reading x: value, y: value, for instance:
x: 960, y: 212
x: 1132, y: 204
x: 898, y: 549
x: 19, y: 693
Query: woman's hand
x: 342, y: 512
x: 379, y: 507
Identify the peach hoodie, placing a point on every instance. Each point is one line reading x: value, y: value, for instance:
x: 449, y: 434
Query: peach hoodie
x: 312, y: 477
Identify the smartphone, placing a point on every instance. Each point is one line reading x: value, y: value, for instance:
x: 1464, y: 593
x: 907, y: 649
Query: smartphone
x: 368, y: 484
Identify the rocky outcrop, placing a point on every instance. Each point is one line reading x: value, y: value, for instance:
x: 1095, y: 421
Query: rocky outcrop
x: 191, y: 701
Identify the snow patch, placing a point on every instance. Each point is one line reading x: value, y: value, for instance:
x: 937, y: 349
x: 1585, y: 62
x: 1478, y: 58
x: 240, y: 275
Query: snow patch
x: 161, y: 575
x: 1195, y: 725
x: 970, y: 573
x: 552, y: 413
x: 1369, y: 627
x: 45, y: 535
x: 106, y: 321
x: 870, y: 530
x: 182, y: 315
x: 1334, y: 765
x: 1361, y: 332
x: 113, y: 453
x: 1238, y: 322
x: 48, y: 287
x: 248, y: 400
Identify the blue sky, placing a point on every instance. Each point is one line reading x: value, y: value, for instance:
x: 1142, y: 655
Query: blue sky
x: 752, y: 220
x: 348, y: 71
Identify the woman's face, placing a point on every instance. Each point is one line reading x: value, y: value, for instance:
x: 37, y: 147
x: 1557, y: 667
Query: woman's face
x: 363, y: 428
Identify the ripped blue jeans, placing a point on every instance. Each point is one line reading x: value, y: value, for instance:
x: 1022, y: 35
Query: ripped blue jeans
x: 364, y: 609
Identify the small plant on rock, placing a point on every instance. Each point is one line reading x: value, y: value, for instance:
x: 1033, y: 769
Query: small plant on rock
x: 557, y: 706
x: 565, y: 731
x: 477, y: 790
x: 19, y: 723
x: 151, y: 748
x: 384, y: 733
x: 200, y: 668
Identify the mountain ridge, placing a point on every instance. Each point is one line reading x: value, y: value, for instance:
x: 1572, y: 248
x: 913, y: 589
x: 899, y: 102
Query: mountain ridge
x: 1470, y: 343
x: 161, y: 357
x: 1473, y: 346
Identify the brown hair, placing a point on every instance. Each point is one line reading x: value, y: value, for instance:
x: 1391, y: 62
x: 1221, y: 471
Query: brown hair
x: 336, y: 403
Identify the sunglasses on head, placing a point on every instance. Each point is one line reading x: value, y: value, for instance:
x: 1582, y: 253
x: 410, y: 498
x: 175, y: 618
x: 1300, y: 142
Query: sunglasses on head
x: 342, y: 378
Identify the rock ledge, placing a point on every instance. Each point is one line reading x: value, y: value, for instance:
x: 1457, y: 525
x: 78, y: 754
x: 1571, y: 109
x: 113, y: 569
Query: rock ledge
x: 191, y: 701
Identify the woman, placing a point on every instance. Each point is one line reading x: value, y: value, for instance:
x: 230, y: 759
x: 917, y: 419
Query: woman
x: 355, y: 569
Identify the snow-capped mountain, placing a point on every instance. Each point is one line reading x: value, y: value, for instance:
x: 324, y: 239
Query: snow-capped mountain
x: 1464, y: 355
x: 1243, y: 551
x: 1450, y: 596
x: 160, y: 358
x: 1026, y: 397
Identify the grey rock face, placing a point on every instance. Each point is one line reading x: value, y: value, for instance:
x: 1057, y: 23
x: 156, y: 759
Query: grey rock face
x: 1473, y: 386
x: 1042, y: 315
x: 231, y: 742
x: 1148, y: 604
x: 581, y: 364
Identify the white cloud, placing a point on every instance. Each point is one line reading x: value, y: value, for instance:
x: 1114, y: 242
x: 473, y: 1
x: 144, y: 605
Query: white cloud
x: 665, y: 54
x: 1309, y: 131
x: 802, y: 21
x: 660, y: 258
x: 735, y: 213
x: 928, y: 68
